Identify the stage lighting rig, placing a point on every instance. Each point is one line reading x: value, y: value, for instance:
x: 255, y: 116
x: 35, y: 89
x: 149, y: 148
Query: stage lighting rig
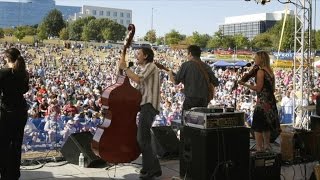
x: 263, y: 2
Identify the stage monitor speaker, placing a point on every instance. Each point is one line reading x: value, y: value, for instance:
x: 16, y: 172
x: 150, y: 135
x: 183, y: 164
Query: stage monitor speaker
x: 219, y: 153
x: 164, y: 140
x: 265, y: 166
x: 80, y: 143
x: 315, y: 122
x: 318, y: 105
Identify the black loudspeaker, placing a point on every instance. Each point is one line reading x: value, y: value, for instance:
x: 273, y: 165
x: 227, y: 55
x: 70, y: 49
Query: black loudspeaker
x: 215, y: 154
x: 80, y: 143
x: 315, y: 122
x: 164, y: 140
x: 318, y: 105
x: 265, y: 166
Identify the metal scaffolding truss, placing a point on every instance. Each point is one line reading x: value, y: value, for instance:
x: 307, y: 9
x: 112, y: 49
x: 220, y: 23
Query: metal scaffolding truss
x: 303, y: 63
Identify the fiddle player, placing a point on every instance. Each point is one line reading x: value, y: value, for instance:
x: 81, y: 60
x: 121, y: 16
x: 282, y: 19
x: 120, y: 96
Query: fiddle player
x: 265, y: 115
x: 148, y: 82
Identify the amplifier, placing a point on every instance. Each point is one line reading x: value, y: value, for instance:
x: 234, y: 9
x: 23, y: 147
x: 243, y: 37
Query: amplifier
x: 205, y: 120
x: 265, y: 166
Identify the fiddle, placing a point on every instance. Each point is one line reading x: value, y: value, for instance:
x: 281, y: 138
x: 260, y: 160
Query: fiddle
x: 250, y: 74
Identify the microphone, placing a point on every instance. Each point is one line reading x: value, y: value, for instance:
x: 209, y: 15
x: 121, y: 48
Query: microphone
x: 130, y: 64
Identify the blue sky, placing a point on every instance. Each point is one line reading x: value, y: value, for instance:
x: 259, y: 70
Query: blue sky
x: 185, y: 16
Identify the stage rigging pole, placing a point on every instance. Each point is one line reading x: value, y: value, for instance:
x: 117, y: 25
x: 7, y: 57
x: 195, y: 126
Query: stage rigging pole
x: 303, y: 62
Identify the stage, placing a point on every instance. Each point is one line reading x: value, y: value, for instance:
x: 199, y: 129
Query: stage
x: 233, y: 143
x: 130, y: 171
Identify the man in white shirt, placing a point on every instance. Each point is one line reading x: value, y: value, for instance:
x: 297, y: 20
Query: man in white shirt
x: 287, y: 108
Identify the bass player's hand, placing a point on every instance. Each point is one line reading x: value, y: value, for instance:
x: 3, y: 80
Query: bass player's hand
x: 122, y: 63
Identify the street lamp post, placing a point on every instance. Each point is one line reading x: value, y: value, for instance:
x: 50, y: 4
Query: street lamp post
x: 151, y: 18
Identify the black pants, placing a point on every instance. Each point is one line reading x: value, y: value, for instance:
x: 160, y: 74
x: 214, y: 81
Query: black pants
x: 150, y: 162
x: 11, y: 135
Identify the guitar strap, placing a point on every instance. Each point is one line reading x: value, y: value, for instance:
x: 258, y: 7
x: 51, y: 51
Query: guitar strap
x: 205, y: 74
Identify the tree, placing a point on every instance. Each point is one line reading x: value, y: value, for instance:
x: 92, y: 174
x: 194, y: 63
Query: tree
x: 19, y: 34
x: 64, y: 34
x: 262, y: 41
x: 241, y: 42
x: 53, y: 23
x: 174, y: 37
x: 29, y: 30
x: 288, y: 34
x: 116, y: 30
x: 107, y: 34
x: 42, y: 32
x: 90, y: 28
x: 160, y: 40
x: 151, y: 36
x: 86, y: 33
x: 91, y: 31
x: 76, y: 28
x: 8, y: 31
x: 199, y: 39
x: 216, y: 40
x: 317, y: 39
x: 228, y: 42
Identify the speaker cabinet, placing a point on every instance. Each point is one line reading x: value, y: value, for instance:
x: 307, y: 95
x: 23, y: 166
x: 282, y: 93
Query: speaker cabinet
x: 164, y: 140
x: 315, y: 122
x: 265, y: 166
x: 220, y: 153
x: 318, y: 105
x: 80, y: 143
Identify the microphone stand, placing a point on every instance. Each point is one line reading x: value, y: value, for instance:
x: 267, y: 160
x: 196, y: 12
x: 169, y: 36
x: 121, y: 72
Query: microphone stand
x: 234, y: 88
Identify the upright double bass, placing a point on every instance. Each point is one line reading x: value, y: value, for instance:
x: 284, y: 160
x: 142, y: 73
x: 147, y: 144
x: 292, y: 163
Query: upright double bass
x: 115, y: 140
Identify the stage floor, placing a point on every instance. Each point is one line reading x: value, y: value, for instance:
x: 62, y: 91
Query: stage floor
x: 170, y: 168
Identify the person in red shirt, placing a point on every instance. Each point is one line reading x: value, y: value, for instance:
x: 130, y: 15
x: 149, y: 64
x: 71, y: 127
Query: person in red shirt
x: 43, y: 90
x: 70, y: 108
x: 43, y: 107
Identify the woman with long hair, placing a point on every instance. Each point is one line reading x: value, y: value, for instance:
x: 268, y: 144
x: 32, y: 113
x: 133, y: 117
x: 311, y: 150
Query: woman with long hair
x: 265, y: 121
x: 14, y: 82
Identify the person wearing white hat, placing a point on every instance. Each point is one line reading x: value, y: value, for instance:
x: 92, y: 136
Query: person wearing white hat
x: 68, y: 130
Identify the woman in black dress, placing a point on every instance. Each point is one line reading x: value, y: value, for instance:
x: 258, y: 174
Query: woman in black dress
x: 14, y: 82
x: 265, y: 116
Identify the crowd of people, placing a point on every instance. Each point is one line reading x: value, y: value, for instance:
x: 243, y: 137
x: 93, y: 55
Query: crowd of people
x: 66, y: 86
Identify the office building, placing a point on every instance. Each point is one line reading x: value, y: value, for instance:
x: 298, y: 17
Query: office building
x: 31, y: 12
x: 251, y: 25
x: 24, y: 12
x: 121, y: 16
x: 68, y: 12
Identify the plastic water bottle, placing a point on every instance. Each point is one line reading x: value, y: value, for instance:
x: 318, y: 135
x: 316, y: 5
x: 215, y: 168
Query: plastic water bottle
x: 81, y: 160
